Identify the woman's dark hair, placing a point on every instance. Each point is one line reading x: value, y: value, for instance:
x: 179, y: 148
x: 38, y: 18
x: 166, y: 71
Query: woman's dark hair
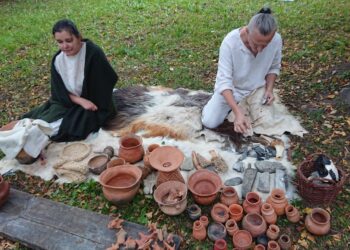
x: 67, y: 25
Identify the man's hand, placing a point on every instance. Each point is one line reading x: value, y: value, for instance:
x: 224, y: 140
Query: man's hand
x: 269, y: 97
x: 241, y: 123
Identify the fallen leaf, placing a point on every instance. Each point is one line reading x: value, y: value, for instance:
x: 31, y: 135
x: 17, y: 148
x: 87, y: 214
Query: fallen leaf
x: 303, y: 243
x: 337, y: 237
x: 307, y: 210
x: 330, y: 96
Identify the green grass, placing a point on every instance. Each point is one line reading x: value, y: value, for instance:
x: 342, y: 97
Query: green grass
x: 175, y: 44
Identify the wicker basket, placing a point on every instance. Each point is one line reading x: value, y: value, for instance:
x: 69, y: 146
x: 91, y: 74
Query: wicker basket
x: 311, y: 190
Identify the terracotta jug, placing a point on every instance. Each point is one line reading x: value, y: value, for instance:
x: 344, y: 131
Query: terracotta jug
x: 220, y: 244
x: 236, y: 212
x: 242, y: 239
x: 130, y: 148
x: 254, y: 223
x: 278, y: 201
x: 199, y: 232
x: 252, y: 203
x: 273, y: 245
x: 4, y: 190
x: 285, y: 242
x: 318, y: 222
x: 150, y: 148
x: 268, y: 213
x: 231, y: 226
x: 292, y: 213
x: 273, y: 232
x: 219, y: 213
x: 229, y: 196
x: 204, y: 220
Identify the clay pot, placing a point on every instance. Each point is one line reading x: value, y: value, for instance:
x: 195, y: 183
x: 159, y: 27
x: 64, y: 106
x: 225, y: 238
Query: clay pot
x: 150, y: 148
x: 236, y: 212
x: 4, y: 190
x: 318, y: 222
x: 115, y: 162
x: 229, y: 196
x: 273, y: 232
x: 216, y: 231
x: 98, y: 164
x: 292, y: 213
x: 278, y: 201
x: 252, y: 203
x: 194, y: 211
x: 169, y: 176
x: 273, y: 245
x: 231, y: 226
x: 285, y: 242
x: 130, y: 148
x: 204, y: 186
x: 219, y: 213
x: 259, y: 247
x: 204, y: 220
x: 242, y: 239
x: 254, y: 223
x: 121, y: 183
x: 198, y: 231
x: 220, y: 245
x: 268, y: 213
x: 171, y: 197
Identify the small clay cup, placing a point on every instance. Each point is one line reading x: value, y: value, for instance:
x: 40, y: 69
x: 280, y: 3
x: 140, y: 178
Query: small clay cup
x: 220, y: 244
x: 268, y: 213
x: 292, y: 213
x: 285, y: 242
x: 242, y: 239
x: 259, y: 247
x: 130, y: 148
x: 252, y: 203
x: 229, y: 196
x: 254, y: 223
x: 219, y: 213
x: 231, y: 226
x: 98, y: 163
x: 318, y: 222
x: 198, y: 231
x: 204, y: 220
x: 273, y: 245
x: 273, y: 232
x: 278, y: 201
x: 236, y: 212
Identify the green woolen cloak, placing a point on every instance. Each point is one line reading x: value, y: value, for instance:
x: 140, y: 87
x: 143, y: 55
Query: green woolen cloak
x: 98, y: 84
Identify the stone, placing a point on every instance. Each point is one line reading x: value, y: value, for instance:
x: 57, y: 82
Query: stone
x: 187, y: 164
x: 238, y: 166
x: 268, y: 166
x: 248, y: 180
x: 233, y: 181
x: 264, y: 182
x: 345, y: 95
x: 281, y: 179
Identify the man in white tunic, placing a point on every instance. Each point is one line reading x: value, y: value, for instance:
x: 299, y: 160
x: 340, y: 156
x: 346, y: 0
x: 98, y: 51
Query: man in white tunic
x: 249, y: 59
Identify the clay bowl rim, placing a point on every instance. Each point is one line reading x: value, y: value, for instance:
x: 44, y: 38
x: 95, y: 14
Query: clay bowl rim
x: 120, y: 167
x: 323, y: 213
x: 158, y: 151
x: 98, y: 168
x: 189, y: 184
x: 242, y: 232
x: 109, y: 164
x: 252, y: 218
x: 170, y: 186
x: 130, y: 136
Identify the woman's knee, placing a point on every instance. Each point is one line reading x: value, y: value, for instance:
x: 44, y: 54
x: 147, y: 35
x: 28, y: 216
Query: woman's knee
x: 209, y: 122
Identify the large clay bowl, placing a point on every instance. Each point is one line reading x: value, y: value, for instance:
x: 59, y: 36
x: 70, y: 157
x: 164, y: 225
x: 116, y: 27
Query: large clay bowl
x: 204, y: 186
x: 161, y: 195
x: 98, y: 163
x: 166, y: 158
x: 121, y: 183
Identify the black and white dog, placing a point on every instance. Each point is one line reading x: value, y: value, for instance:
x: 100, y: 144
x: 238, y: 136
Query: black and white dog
x: 325, y: 168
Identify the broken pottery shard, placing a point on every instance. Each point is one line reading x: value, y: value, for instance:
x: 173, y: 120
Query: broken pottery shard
x: 281, y: 179
x: 218, y: 161
x: 268, y: 166
x: 264, y: 182
x: 187, y: 165
x: 248, y: 180
x: 233, y: 181
x: 238, y: 166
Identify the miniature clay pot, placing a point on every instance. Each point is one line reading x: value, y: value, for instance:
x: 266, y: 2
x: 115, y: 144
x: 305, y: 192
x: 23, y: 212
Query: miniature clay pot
x: 198, y: 231
x: 121, y: 183
x: 109, y: 151
x: 273, y: 232
x: 204, y: 186
x: 4, y: 190
x: 98, y: 164
x: 231, y: 226
x: 259, y: 247
x: 254, y: 223
x: 219, y: 213
x: 252, y: 203
x: 194, y: 211
x: 220, y: 244
x: 216, y: 231
x: 318, y: 222
x: 268, y: 213
x: 171, y: 205
x: 229, y: 196
x: 285, y: 242
x: 242, y: 239
x: 204, y: 220
x: 235, y: 212
x: 130, y: 148
x: 292, y: 213
x: 115, y: 162
x: 273, y: 245
x: 149, y: 149
x: 278, y: 201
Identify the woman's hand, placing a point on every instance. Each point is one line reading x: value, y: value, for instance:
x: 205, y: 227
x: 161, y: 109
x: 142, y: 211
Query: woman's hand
x: 85, y: 103
x: 241, y: 123
x: 269, y: 97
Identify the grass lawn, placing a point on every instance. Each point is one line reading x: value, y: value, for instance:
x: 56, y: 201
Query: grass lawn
x: 175, y: 44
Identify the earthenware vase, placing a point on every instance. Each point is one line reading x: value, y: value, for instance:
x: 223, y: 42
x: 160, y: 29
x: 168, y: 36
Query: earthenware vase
x: 4, y: 190
x: 216, y: 231
x: 254, y: 223
x: 219, y: 213
x: 194, y: 211
x: 285, y: 242
x: 198, y: 231
x: 273, y: 232
x: 242, y: 239
x: 292, y: 213
x: 220, y: 244
x: 268, y: 213
x: 259, y: 247
x: 318, y: 222
x: 149, y: 149
x: 236, y: 212
x: 252, y: 203
x: 273, y: 245
x: 130, y: 148
x: 204, y: 220
x: 231, y: 226
x: 229, y: 196
x: 278, y: 201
